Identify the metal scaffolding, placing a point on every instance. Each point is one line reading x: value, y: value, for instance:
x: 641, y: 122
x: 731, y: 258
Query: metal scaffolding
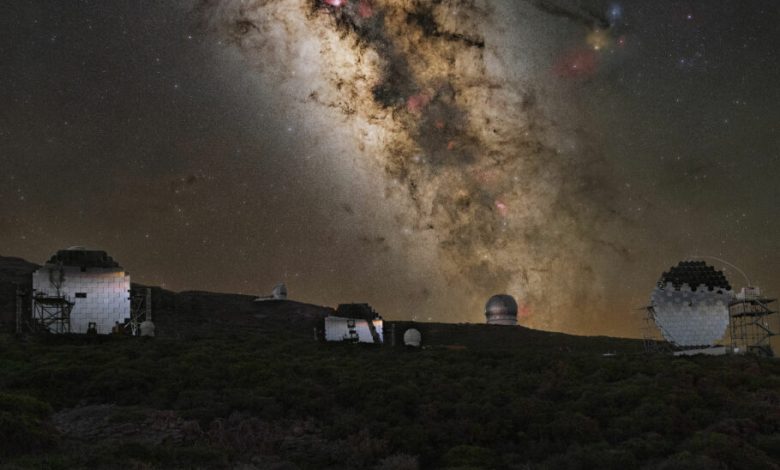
x: 51, y: 313
x: 751, y: 323
x: 140, y: 309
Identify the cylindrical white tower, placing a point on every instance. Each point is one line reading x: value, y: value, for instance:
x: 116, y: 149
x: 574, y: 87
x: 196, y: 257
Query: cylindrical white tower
x: 501, y: 309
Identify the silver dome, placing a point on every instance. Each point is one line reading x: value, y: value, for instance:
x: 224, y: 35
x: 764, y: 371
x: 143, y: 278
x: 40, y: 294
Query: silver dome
x: 501, y: 309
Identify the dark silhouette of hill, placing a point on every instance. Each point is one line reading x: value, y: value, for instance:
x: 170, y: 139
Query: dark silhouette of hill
x: 492, y: 337
x: 186, y: 313
x: 16, y: 270
x: 200, y: 313
x: 233, y: 383
x: 14, y: 273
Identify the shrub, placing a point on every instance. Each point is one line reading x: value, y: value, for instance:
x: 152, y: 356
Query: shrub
x: 465, y: 456
x: 23, y: 428
x: 398, y: 462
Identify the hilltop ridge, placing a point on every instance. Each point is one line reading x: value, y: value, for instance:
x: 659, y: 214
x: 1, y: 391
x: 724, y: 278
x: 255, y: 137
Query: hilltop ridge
x: 234, y: 383
x: 202, y: 313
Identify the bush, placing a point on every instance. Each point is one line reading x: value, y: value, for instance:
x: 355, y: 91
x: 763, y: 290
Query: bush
x: 469, y: 457
x: 301, y: 403
x: 398, y: 462
x: 23, y: 428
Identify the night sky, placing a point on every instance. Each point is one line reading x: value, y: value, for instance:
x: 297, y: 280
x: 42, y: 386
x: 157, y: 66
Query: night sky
x: 418, y: 156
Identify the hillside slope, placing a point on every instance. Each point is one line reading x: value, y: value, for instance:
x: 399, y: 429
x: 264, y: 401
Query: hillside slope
x: 263, y: 399
x: 234, y: 383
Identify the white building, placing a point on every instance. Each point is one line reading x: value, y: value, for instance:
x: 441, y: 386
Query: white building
x: 412, y: 337
x: 279, y: 293
x: 351, y: 329
x: 357, y: 323
x: 96, y: 285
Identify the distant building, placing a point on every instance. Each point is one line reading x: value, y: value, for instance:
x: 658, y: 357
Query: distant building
x: 279, y: 293
x: 77, y: 287
x: 357, y: 323
x: 501, y: 309
x: 412, y: 337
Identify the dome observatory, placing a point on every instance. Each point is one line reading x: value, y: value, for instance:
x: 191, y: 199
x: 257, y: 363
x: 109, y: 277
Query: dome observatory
x: 412, y: 337
x: 501, y: 309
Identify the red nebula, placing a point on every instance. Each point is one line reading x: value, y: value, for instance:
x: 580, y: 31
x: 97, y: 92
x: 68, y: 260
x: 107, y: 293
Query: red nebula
x: 487, y: 176
x: 416, y: 103
x: 503, y: 209
x: 579, y: 63
x: 451, y: 145
x: 439, y: 124
x: 364, y: 9
x: 524, y: 311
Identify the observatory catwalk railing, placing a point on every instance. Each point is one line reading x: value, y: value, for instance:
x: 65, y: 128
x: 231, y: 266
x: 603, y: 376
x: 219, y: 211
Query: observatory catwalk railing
x: 51, y: 313
x: 751, y: 325
x: 140, y: 309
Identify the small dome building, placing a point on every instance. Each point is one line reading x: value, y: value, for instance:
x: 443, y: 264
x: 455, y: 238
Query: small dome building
x: 280, y: 292
x: 501, y: 309
x: 412, y: 337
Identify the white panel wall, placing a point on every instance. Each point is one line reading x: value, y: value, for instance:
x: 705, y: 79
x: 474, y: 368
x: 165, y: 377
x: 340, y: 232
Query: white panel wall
x: 107, y: 301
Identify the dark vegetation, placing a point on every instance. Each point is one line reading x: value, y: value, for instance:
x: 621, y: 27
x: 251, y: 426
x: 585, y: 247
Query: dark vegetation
x: 280, y: 400
x: 233, y: 383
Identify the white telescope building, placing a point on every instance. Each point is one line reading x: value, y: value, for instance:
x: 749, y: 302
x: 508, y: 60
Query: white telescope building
x: 77, y: 288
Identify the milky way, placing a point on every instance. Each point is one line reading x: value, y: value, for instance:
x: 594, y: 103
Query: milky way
x: 469, y: 155
x: 418, y: 156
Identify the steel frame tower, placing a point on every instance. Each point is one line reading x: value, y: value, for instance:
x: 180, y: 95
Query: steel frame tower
x: 51, y: 313
x: 751, y: 329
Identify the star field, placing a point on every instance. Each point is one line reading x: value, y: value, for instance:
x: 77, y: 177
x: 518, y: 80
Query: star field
x: 565, y: 152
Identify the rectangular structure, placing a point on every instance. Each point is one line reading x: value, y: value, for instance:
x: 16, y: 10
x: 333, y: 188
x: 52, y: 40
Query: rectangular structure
x: 97, y: 286
x: 352, y: 329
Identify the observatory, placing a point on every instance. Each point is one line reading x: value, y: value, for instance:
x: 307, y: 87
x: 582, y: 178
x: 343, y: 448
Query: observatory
x: 356, y: 323
x: 501, y: 309
x: 751, y: 329
x: 279, y: 293
x: 690, y: 304
x: 79, y: 287
x: 412, y: 337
